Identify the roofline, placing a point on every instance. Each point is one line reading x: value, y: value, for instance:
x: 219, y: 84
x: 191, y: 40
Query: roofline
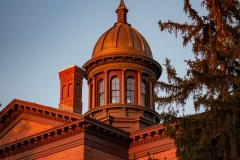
x: 38, y: 106
x: 71, y: 67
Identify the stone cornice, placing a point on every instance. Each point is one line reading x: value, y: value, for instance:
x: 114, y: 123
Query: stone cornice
x: 16, y: 107
x: 142, y: 60
x: 109, y: 127
x: 147, y: 135
x: 146, y: 130
x: 115, y: 105
x: 119, y: 66
x: 85, y: 124
x: 144, y: 140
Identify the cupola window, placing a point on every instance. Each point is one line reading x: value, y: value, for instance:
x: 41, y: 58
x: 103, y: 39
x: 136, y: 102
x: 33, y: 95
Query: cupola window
x: 130, y: 90
x: 115, y: 96
x: 143, y: 93
x: 101, y: 92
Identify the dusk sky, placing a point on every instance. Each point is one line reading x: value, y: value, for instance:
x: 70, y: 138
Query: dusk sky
x: 40, y: 37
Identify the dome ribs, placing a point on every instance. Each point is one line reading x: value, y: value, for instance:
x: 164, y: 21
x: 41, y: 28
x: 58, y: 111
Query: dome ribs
x: 116, y: 35
x: 141, y: 39
x: 150, y: 51
x: 130, y: 37
x: 100, y: 41
x: 123, y: 37
x: 104, y: 38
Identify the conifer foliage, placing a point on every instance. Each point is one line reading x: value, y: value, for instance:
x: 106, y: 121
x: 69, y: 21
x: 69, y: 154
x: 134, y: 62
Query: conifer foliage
x: 212, y: 80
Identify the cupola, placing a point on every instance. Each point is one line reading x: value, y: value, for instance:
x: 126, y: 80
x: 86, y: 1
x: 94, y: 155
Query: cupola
x: 119, y: 92
x: 122, y: 39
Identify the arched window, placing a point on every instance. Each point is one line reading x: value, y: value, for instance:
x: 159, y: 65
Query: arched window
x: 115, y: 96
x: 130, y: 90
x: 101, y: 92
x: 143, y: 93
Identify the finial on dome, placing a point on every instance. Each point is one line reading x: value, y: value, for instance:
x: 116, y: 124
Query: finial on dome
x: 122, y: 12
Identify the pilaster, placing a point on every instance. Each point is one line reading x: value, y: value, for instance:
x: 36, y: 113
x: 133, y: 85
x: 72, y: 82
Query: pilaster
x: 139, y: 88
x: 123, y: 86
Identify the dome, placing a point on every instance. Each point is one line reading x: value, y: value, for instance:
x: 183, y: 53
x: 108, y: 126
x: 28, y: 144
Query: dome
x: 122, y: 39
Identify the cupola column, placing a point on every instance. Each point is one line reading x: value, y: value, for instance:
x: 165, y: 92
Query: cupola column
x: 93, y: 93
x: 150, y: 95
x: 89, y: 96
x: 139, y: 87
x: 123, y: 85
x: 106, y: 88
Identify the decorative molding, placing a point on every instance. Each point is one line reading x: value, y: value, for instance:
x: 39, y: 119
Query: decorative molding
x: 141, y: 60
x: 85, y: 124
x: 119, y: 66
x: 110, y: 136
x: 126, y: 106
x: 41, y: 139
x: 144, y: 140
x: 147, y: 135
x: 17, y: 107
x: 4, y: 122
x: 109, y: 127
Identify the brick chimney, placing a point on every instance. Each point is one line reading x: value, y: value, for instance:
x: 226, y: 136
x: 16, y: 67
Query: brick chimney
x: 71, y: 89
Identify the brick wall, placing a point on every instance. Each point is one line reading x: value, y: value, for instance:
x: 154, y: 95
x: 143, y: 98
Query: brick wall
x: 23, y: 129
x: 96, y: 154
x: 75, y: 153
x: 82, y: 152
x: 166, y: 155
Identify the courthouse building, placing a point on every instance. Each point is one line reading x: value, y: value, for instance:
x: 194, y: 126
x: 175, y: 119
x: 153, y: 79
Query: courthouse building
x: 121, y: 122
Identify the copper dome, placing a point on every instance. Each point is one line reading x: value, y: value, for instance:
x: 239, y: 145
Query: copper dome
x: 122, y: 39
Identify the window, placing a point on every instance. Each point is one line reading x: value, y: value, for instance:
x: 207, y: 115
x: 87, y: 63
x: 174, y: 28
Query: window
x: 101, y: 92
x: 69, y: 89
x: 143, y: 94
x: 64, y: 92
x: 130, y: 90
x: 115, y: 98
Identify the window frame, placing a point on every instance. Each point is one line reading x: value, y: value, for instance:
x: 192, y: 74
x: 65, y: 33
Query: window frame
x: 143, y: 103
x: 101, y: 92
x: 130, y: 86
x: 115, y: 90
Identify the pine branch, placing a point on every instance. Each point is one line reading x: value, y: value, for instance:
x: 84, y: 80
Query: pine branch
x: 212, y: 80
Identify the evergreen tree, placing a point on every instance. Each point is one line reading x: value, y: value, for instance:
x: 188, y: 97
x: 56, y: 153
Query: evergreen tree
x: 212, y: 80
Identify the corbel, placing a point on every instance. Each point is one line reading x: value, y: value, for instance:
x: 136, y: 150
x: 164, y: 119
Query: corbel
x: 149, y: 135
x: 156, y: 133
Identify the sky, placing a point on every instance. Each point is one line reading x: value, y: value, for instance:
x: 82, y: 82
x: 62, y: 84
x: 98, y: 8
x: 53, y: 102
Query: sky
x: 38, y: 38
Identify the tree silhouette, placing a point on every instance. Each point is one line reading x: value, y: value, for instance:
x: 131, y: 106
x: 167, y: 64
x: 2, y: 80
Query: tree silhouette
x: 212, y: 80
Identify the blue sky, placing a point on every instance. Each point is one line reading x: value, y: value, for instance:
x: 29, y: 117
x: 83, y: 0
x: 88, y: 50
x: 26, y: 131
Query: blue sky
x: 40, y: 37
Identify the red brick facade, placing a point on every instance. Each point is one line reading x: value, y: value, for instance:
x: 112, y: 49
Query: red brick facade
x: 72, y: 153
x: 93, y: 153
x: 22, y: 129
x: 165, y: 155
x: 29, y: 139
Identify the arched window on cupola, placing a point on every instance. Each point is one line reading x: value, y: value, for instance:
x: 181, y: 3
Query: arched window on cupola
x: 143, y: 93
x: 101, y: 92
x: 115, y: 95
x: 130, y: 90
